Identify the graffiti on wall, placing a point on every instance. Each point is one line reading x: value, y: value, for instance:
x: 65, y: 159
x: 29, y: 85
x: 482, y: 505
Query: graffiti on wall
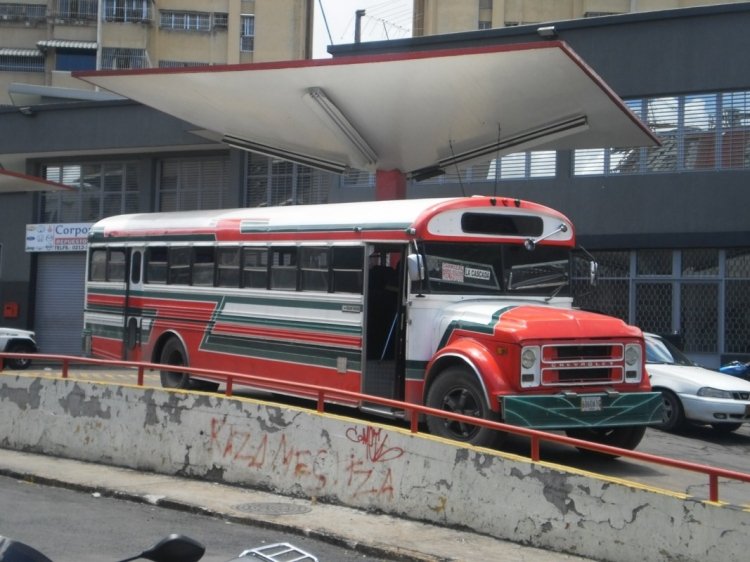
x: 360, y: 468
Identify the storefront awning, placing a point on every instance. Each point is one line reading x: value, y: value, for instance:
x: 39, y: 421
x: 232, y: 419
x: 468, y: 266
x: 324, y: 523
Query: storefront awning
x: 418, y: 112
x: 10, y: 52
x: 16, y: 182
x: 66, y: 44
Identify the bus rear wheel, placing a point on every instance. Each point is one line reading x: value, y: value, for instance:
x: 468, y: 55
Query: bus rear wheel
x: 174, y: 354
x: 456, y: 390
x: 622, y: 437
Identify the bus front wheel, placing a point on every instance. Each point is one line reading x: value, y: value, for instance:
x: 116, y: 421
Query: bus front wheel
x: 457, y: 391
x: 174, y: 354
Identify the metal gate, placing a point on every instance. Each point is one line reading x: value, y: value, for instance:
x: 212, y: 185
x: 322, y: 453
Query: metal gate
x: 58, y: 320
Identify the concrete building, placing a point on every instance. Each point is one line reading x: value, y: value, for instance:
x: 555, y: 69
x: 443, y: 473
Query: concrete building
x: 667, y: 224
x: 42, y: 41
x: 437, y: 17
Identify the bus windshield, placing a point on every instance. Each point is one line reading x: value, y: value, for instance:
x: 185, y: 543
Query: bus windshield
x: 493, y: 269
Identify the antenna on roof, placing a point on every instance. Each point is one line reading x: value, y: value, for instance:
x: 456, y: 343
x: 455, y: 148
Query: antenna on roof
x: 458, y: 170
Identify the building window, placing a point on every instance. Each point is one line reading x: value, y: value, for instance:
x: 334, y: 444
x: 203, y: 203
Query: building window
x: 10, y: 12
x: 102, y: 190
x: 77, y: 10
x: 20, y: 62
x: 116, y: 58
x: 221, y: 19
x: 247, y: 33
x: 272, y: 182
x: 194, y: 184
x: 185, y: 21
x: 180, y: 64
x: 126, y: 10
x: 698, y: 132
x: 485, y: 14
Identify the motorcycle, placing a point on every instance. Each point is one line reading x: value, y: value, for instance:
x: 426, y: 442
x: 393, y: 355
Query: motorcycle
x: 736, y: 369
x: 174, y: 548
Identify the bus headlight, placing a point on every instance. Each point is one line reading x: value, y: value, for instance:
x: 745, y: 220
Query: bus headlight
x: 633, y: 363
x: 530, y: 366
x: 528, y: 358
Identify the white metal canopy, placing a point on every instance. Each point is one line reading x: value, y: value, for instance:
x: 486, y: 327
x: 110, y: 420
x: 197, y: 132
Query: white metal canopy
x: 11, y: 182
x: 415, y: 112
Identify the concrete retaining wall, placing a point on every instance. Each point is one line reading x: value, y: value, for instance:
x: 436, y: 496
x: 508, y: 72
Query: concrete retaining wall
x: 302, y: 453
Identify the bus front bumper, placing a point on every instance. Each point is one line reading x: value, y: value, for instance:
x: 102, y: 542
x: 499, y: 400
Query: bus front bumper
x: 573, y: 410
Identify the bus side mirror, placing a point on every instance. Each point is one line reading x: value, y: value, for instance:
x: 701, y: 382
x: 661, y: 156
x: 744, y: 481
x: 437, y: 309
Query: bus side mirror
x: 593, y: 272
x: 415, y: 267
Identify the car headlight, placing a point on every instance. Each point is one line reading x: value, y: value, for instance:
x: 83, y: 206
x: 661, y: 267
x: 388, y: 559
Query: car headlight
x: 709, y: 392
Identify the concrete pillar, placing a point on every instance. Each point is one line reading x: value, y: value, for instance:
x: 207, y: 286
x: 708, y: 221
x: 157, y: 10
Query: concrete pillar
x: 390, y: 184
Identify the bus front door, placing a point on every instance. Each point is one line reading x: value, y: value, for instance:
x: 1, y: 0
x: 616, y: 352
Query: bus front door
x: 383, y: 373
x: 131, y: 314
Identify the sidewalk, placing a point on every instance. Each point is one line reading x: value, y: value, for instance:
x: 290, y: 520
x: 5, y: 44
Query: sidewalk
x: 375, y: 534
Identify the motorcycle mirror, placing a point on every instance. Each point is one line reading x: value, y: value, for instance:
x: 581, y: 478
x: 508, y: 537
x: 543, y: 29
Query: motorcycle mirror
x: 174, y: 548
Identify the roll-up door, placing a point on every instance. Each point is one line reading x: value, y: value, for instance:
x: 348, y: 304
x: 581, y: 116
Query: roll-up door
x: 58, y: 321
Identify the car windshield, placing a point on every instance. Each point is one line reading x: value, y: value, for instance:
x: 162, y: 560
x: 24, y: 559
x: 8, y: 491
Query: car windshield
x: 662, y: 351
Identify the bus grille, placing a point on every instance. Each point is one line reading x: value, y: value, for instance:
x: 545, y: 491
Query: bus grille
x: 577, y: 364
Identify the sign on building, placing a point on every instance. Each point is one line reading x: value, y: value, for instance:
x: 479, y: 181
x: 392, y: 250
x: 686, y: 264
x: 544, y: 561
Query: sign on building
x: 57, y: 237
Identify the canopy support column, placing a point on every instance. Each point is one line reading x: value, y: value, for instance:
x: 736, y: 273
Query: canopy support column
x: 390, y: 184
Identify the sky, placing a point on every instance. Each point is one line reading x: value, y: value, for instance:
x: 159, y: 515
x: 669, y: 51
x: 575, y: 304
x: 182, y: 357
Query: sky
x: 384, y: 19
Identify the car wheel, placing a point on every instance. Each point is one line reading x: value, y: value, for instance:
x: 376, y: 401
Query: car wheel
x: 18, y: 363
x: 726, y: 427
x: 622, y: 437
x: 673, y: 416
x: 456, y: 390
x: 174, y: 354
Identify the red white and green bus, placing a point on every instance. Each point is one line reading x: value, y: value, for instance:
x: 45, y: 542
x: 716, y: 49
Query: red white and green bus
x: 461, y: 304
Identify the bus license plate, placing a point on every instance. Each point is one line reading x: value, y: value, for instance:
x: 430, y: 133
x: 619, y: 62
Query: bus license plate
x: 591, y: 403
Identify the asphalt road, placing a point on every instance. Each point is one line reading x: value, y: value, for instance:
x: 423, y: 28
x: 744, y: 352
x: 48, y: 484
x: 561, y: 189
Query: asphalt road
x: 72, y: 526
x: 699, y: 445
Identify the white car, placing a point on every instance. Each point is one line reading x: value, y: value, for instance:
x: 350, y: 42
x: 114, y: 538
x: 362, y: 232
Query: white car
x: 692, y: 393
x: 13, y: 340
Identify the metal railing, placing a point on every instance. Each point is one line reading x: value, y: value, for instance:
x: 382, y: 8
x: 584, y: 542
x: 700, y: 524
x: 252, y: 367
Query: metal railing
x: 413, y: 411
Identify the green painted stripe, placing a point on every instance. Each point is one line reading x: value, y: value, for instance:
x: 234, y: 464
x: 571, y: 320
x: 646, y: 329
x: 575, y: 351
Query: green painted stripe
x: 487, y: 329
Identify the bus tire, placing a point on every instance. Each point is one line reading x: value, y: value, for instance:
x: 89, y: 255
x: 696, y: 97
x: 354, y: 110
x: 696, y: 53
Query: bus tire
x: 174, y: 354
x: 457, y: 390
x: 622, y: 437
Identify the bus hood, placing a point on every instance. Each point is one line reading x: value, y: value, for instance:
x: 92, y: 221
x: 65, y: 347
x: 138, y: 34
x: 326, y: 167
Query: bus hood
x: 522, y: 322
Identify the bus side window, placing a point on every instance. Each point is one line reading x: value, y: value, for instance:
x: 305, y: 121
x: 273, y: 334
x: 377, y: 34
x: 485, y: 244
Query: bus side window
x: 314, y: 269
x: 156, y: 265
x: 347, y: 269
x: 227, y: 267
x: 284, y: 269
x: 116, y: 265
x: 135, y: 268
x: 179, y: 266
x: 98, y: 265
x: 203, y: 266
x: 255, y: 268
